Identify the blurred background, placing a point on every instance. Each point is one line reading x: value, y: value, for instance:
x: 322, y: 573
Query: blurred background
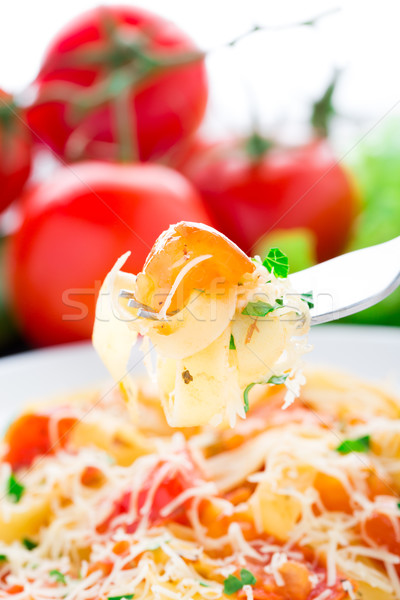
x: 277, y: 123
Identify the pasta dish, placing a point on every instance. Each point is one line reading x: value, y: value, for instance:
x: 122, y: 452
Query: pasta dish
x: 229, y: 472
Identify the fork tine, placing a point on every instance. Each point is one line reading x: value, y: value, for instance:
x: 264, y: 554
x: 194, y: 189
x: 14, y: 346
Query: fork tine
x: 126, y: 294
x: 132, y: 302
x: 145, y: 311
x: 135, y: 304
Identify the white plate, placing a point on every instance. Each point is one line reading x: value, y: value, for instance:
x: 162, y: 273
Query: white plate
x: 371, y: 352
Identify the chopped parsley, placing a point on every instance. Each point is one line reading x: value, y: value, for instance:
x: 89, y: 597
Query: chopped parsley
x: 58, y: 576
x: 278, y: 379
x: 308, y: 298
x: 233, y: 584
x: 361, y: 444
x: 274, y: 379
x: 3, y: 558
x: 398, y: 505
x: 246, y: 397
x: 124, y: 597
x: 29, y: 544
x: 15, y: 489
x: 232, y: 345
x: 277, y: 263
x: 258, y: 309
x: 204, y: 584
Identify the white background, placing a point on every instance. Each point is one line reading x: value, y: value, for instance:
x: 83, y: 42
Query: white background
x: 278, y: 72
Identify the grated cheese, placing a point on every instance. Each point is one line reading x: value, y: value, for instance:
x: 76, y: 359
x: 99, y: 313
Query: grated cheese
x: 171, y: 560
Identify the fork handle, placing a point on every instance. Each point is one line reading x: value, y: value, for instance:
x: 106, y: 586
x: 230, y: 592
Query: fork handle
x: 351, y: 282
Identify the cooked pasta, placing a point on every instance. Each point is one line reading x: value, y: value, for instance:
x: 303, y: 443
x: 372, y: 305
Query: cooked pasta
x: 219, y: 322
x: 220, y: 476
x: 277, y: 508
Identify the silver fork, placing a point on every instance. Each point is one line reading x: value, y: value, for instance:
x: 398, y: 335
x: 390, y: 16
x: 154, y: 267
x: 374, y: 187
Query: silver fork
x: 352, y: 282
x: 341, y: 286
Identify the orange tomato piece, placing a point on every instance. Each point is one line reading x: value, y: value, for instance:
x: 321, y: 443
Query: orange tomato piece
x: 121, y: 548
x: 92, y: 477
x: 217, y: 523
x: 382, y: 531
x: 29, y: 437
x: 15, y: 589
x: 104, y: 567
x: 333, y: 494
x: 174, y: 249
x: 297, y: 584
x: 377, y: 486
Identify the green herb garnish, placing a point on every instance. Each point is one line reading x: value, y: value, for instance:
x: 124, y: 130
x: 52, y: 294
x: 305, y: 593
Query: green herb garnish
x: 124, y: 597
x: 274, y: 379
x: 258, y: 309
x: 308, y: 298
x: 232, y: 345
x: 398, y: 505
x: 233, y: 584
x: 204, y: 584
x: 3, y: 558
x: 277, y: 263
x: 278, y: 379
x: 29, y: 544
x: 246, y: 397
x: 58, y: 576
x: 361, y: 444
x: 15, y: 489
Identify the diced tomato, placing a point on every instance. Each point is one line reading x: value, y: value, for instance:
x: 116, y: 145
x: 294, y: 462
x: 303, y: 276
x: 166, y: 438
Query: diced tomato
x: 15, y: 589
x: 333, y: 494
x: 29, y: 437
x: 121, y: 548
x: 296, y: 583
x: 120, y: 507
x: 217, y: 522
x: 92, y: 477
x: 171, y: 486
x: 337, y: 591
x: 380, y: 530
x: 105, y: 567
x: 378, y: 486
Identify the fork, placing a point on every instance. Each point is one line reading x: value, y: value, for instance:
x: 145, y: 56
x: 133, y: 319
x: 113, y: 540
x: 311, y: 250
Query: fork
x: 351, y: 282
x: 341, y: 286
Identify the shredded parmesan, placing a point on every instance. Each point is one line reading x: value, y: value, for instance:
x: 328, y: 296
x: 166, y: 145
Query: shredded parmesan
x: 172, y: 551
x: 181, y: 275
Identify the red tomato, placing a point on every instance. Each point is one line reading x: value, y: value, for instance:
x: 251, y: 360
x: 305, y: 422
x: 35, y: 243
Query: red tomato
x: 182, y: 155
x: 248, y: 196
x: 75, y: 225
x: 118, y: 82
x: 382, y: 531
x: 296, y: 582
x: 15, y: 150
x: 29, y: 437
x: 174, y: 483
